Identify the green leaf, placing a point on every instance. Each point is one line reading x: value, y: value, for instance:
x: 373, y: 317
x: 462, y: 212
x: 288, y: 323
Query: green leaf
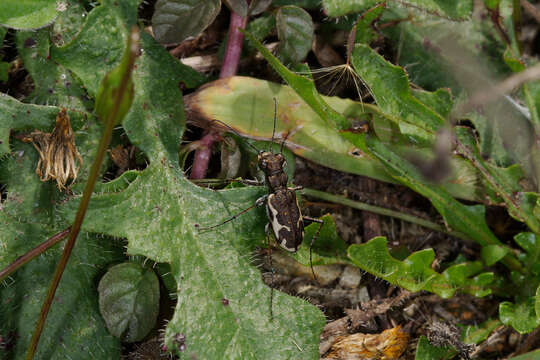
x: 306, y: 4
x: 415, y: 272
x: 247, y: 105
x: 31, y: 14
x: 389, y: 86
x: 531, y: 244
x: 521, y: 315
x: 53, y: 84
x: 260, y: 28
x: 492, y: 4
x: 295, y: 33
x: 175, y: 20
x: 530, y: 89
x: 533, y: 355
x: 328, y: 248
x: 365, y: 32
x: 208, y: 267
x: 117, y: 81
x: 303, y: 86
x: 19, y: 116
x: 4, y: 71
x: 337, y: 8
x: 504, y: 182
x: 238, y: 6
x: 493, y: 253
x: 94, y: 52
x: 156, y: 79
x: 258, y: 6
x: 426, y: 351
x: 240, y: 102
x: 454, y: 9
x: 475, y: 334
x: 129, y: 301
x: 468, y: 220
x: 74, y: 327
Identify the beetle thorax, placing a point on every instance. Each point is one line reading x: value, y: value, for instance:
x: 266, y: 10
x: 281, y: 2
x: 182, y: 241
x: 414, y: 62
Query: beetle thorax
x: 272, y: 166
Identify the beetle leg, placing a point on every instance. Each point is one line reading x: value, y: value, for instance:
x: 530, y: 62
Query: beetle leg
x: 312, y: 220
x: 262, y: 200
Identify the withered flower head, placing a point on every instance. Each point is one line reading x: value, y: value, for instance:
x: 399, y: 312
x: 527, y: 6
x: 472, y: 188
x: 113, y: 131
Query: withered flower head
x: 57, y: 152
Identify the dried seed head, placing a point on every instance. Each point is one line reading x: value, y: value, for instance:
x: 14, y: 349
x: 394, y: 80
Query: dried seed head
x: 57, y: 152
x: 389, y: 344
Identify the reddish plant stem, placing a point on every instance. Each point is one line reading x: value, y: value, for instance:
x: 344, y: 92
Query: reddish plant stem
x: 234, y: 46
x: 228, y: 68
x: 40, y: 249
x: 202, y: 155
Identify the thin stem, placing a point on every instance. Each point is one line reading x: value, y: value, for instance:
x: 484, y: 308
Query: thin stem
x: 509, y: 260
x: 234, y: 46
x: 228, y: 68
x: 516, y: 19
x: 83, y: 206
x: 382, y: 211
x: 38, y: 250
x: 203, y: 154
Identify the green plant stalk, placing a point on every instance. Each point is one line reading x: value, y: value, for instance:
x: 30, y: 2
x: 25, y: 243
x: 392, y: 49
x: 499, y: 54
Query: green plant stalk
x: 509, y: 260
x: 38, y: 250
x: 383, y: 211
x: 94, y: 173
x: 516, y: 20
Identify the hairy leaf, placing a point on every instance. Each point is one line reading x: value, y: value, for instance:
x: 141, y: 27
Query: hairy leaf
x: 32, y: 14
x: 389, y: 86
x: 74, y: 327
x: 212, y: 269
x: 364, y: 26
x: 53, y: 84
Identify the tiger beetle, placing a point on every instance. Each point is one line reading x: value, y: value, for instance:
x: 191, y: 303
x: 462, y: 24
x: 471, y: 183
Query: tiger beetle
x: 284, y: 215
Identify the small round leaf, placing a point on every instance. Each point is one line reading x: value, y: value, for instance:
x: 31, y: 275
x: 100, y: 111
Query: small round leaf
x: 295, y: 33
x: 176, y: 20
x: 129, y: 301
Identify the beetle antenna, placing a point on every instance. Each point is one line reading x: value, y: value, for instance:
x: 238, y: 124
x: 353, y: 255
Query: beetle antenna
x: 237, y: 133
x: 283, y: 143
x: 274, y: 129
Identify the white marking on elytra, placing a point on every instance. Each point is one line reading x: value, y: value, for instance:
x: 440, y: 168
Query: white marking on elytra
x: 276, y: 226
